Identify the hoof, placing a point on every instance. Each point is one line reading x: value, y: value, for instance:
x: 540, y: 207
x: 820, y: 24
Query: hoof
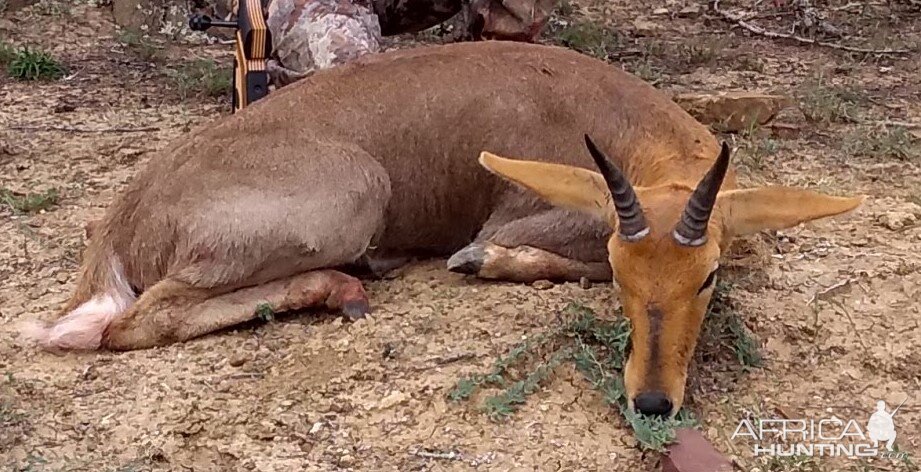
x: 356, y: 309
x: 468, y: 260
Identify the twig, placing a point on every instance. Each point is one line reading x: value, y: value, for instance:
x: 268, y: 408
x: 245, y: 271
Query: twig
x: 848, y: 6
x: 809, y: 17
x: 755, y: 29
x: 449, y: 455
x: 901, y: 124
x: 71, y: 129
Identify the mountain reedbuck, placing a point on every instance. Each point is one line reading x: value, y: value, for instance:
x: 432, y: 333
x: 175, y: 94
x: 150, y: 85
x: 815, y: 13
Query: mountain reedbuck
x: 376, y: 162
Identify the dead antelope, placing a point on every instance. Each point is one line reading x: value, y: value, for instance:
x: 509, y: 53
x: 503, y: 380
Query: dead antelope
x: 376, y: 161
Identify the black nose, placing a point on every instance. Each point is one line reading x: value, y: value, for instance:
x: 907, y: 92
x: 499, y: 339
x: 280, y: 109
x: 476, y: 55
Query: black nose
x: 653, y: 403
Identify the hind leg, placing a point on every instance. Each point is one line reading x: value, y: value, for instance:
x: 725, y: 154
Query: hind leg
x: 173, y: 311
x: 556, y: 244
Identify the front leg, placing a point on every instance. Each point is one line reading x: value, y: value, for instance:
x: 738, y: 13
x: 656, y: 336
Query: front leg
x: 556, y: 244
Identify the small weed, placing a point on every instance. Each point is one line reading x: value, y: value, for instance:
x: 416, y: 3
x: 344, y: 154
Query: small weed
x: 724, y: 328
x: 52, y: 8
x: 645, y: 70
x: 265, y: 312
x: 29, y: 203
x: 597, y: 348
x: 893, y: 142
x: 7, y: 53
x: 33, y: 64
x: 754, y: 150
x: 749, y: 62
x: 33, y: 463
x: 703, y: 51
x: 565, y: 8
x: 201, y: 77
x: 821, y: 102
x: 589, y: 38
x: 8, y: 415
x: 141, y: 45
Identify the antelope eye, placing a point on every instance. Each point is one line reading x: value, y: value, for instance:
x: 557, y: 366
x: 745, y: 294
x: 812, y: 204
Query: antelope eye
x: 707, y: 283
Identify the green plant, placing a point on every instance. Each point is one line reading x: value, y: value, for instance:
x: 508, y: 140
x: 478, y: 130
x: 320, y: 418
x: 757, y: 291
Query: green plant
x: 33, y: 64
x: 141, y: 45
x: 724, y: 328
x: 588, y: 38
x: 597, y: 348
x: 265, y: 312
x: 7, y: 53
x: 30, y: 202
x: 894, y: 141
x: 701, y: 51
x: 202, y: 76
x: 822, y: 102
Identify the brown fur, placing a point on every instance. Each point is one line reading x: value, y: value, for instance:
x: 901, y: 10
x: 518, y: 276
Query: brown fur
x: 379, y: 157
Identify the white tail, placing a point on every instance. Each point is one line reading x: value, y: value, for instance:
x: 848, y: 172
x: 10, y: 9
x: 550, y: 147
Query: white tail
x: 82, y: 328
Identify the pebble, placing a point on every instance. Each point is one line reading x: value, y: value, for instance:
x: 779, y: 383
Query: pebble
x: 542, y: 284
x: 237, y: 360
x: 896, y: 220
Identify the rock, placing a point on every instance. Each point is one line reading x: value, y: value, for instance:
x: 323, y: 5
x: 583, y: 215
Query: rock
x: 13, y: 5
x: 237, y: 360
x: 644, y: 27
x: 542, y: 284
x: 691, y: 452
x: 585, y: 283
x: 660, y: 11
x: 732, y: 111
x: 62, y: 277
x: 690, y: 10
x: 896, y: 220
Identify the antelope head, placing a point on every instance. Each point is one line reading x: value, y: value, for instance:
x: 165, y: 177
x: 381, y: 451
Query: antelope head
x: 665, y: 251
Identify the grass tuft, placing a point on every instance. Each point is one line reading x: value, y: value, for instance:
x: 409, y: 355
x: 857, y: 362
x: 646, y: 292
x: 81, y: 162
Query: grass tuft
x: 825, y: 103
x: 29, y: 203
x: 724, y: 328
x: 201, y: 77
x: 33, y: 64
x: 141, y: 45
x: 589, y: 38
x: 7, y: 53
x: 891, y: 142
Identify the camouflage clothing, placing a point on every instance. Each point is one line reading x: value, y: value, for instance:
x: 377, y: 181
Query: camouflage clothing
x: 309, y: 35
x: 512, y: 20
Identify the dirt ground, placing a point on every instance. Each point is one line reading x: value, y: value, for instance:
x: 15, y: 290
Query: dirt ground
x: 314, y: 392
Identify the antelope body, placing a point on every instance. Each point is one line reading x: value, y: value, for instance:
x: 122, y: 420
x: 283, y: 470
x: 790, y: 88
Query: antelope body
x: 376, y: 161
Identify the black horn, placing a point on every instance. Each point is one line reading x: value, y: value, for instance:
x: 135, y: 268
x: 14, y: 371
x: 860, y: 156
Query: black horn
x: 692, y: 227
x: 631, y: 222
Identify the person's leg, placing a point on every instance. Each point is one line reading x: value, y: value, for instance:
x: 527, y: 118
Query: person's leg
x: 311, y: 35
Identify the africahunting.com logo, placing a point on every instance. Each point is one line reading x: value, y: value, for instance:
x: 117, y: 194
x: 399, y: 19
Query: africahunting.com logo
x: 830, y: 437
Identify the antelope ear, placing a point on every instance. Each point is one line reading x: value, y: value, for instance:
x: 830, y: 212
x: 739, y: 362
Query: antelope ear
x: 567, y: 186
x: 751, y: 210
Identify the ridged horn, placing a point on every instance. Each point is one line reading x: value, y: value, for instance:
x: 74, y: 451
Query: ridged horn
x: 692, y: 227
x: 631, y: 221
